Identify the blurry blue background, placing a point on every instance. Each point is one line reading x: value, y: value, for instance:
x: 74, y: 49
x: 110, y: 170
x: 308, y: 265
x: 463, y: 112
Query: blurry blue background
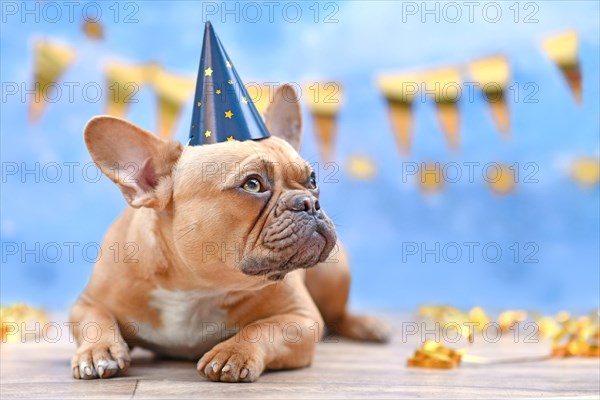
x: 373, y: 218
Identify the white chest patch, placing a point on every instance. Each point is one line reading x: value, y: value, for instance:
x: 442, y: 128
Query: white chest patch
x: 192, y: 323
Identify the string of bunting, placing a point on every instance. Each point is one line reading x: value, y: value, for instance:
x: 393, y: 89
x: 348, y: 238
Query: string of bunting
x: 491, y: 74
x: 324, y: 100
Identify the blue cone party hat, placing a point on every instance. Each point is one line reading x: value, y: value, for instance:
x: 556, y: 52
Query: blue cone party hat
x: 223, y: 110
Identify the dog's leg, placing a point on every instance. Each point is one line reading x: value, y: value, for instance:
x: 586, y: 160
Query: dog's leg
x: 280, y: 342
x: 329, y: 286
x: 101, y: 352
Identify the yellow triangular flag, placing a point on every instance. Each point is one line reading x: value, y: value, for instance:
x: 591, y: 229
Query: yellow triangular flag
x: 324, y: 99
x: 443, y: 86
x: 400, y: 90
x: 563, y: 50
x: 51, y: 59
x: 124, y: 81
x: 172, y: 92
x: 493, y: 76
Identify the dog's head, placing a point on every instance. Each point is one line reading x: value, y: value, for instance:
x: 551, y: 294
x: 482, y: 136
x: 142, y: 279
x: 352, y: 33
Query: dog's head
x: 230, y: 211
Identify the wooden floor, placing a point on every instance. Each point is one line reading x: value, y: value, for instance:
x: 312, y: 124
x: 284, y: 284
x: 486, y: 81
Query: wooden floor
x: 341, y: 370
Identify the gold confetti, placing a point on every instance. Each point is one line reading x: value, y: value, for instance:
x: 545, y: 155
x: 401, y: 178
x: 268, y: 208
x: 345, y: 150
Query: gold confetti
x: 430, y: 178
x: 548, y: 327
x: 586, y: 171
x: 478, y: 315
x: 503, y: 182
x: 218, y: 91
x: 207, y: 133
x: 208, y: 71
x: 509, y: 318
x: 577, y: 338
x: 361, y: 167
x: 230, y: 139
x: 93, y: 30
x: 228, y: 114
x: 19, y: 314
x: 571, y: 337
x: 435, y: 355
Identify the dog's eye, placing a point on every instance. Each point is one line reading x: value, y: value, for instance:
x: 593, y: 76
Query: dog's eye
x: 312, y: 181
x: 252, y: 186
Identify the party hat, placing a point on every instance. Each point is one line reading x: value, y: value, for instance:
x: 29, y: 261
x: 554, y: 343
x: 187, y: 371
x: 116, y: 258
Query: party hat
x: 223, y: 110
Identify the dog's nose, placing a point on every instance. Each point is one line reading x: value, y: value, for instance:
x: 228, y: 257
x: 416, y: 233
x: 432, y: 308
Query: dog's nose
x: 308, y: 204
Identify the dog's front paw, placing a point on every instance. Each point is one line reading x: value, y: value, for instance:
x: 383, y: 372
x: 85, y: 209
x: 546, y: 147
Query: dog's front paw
x: 232, y: 362
x: 99, y: 360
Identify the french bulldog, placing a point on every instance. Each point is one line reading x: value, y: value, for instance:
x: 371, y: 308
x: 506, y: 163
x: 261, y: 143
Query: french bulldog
x: 227, y: 255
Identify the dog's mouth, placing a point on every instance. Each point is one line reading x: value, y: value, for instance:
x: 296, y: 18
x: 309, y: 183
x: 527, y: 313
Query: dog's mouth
x: 292, y: 242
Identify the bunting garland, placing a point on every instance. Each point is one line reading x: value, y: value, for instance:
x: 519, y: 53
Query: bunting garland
x: 51, y: 60
x: 492, y: 75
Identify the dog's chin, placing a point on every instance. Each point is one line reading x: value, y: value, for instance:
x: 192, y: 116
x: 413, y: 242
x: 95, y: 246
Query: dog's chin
x: 277, y: 258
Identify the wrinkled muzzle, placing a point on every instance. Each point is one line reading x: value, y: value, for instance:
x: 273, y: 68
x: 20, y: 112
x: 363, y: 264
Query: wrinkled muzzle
x: 297, y: 234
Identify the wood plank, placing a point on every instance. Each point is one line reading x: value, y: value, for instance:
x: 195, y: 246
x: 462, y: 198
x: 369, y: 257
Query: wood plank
x: 340, y: 370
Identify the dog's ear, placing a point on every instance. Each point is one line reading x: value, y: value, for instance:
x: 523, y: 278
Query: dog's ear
x: 136, y: 160
x: 283, y: 116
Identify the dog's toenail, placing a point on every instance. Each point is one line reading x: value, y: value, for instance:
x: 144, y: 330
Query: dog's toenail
x: 215, y: 367
x: 244, y: 373
x: 226, y: 368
